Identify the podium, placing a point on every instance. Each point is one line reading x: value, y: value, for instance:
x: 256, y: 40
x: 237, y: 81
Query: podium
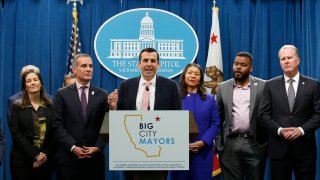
x: 104, y: 130
x: 142, y: 174
x: 193, y: 128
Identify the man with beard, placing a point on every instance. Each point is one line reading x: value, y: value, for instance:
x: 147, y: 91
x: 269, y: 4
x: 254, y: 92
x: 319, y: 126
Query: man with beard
x: 241, y: 142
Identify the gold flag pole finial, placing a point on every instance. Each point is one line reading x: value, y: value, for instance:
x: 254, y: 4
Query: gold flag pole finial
x: 75, y: 19
x: 75, y: 1
x: 214, y: 8
x: 75, y: 4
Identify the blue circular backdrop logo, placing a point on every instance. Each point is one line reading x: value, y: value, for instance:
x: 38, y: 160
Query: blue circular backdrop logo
x: 120, y: 39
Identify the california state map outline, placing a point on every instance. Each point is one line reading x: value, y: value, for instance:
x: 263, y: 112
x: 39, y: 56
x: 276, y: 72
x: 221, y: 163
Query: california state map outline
x: 134, y: 143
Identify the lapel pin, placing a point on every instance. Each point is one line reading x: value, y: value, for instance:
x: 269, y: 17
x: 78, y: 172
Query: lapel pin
x: 92, y: 93
x: 256, y: 84
x: 302, y: 82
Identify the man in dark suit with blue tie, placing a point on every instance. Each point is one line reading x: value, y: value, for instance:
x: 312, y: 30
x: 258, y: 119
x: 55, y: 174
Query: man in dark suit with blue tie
x: 290, y: 111
x: 79, y: 110
x: 163, y: 95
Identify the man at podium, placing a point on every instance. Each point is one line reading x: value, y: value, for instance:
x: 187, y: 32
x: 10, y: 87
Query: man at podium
x: 148, y: 91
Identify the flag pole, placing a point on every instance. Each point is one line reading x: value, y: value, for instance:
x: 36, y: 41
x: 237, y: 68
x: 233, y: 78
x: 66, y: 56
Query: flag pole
x: 75, y: 18
x: 214, y: 8
x: 75, y: 45
x: 75, y: 2
x: 214, y: 65
x: 214, y: 69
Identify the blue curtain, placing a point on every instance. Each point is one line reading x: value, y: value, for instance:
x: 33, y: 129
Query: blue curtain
x: 310, y: 46
x: 37, y: 32
x: 1, y: 84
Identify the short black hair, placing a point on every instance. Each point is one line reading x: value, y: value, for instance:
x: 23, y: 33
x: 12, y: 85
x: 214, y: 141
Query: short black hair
x: 184, y: 87
x: 245, y: 54
x: 149, y: 50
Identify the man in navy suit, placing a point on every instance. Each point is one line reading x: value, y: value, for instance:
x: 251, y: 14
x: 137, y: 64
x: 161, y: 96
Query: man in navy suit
x: 290, y: 111
x: 164, y: 93
x: 79, y: 110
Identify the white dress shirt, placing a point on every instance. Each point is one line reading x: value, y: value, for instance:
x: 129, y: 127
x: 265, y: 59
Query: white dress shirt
x: 295, y: 83
x: 152, y: 90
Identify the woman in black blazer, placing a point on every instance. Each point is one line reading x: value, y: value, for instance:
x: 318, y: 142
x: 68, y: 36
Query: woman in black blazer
x: 31, y: 130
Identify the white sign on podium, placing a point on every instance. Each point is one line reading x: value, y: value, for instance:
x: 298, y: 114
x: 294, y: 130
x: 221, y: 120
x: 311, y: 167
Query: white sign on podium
x: 149, y: 140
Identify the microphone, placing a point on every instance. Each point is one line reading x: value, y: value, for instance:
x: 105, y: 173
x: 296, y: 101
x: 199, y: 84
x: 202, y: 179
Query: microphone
x: 147, y: 88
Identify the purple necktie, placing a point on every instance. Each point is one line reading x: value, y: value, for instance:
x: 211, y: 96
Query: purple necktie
x: 83, y: 100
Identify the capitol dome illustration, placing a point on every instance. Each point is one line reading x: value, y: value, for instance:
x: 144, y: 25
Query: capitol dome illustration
x: 130, y: 48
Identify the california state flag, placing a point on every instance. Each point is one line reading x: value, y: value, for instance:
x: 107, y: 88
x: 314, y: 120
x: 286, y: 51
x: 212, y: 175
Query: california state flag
x: 213, y: 72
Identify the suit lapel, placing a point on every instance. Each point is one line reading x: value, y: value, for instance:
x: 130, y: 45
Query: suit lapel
x: 76, y: 99
x: 253, y: 95
x: 28, y: 112
x: 91, y: 99
x: 157, y: 93
x: 301, y: 87
x: 135, y: 87
x: 283, y: 92
x: 229, y: 97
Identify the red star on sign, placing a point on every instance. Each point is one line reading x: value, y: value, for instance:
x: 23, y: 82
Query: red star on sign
x: 157, y: 119
x: 213, y: 38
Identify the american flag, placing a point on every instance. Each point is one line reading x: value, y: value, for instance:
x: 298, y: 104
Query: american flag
x: 75, y: 44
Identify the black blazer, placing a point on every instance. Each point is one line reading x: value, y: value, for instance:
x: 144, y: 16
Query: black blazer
x: 22, y: 130
x: 275, y: 112
x: 71, y: 127
x: 12, y: 99
x: 166, y: 95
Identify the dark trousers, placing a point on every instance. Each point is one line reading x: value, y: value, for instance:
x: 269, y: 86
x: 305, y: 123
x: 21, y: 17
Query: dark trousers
x: 304, y: 169
x: 21, y: 170
x: 242, y: 158
x: 84, y: 169
x: 145, y: 175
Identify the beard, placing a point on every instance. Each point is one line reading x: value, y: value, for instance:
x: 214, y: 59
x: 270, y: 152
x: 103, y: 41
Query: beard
x: 241, y: 77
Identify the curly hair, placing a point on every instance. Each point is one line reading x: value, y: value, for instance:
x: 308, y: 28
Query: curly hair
x: 183, y: 86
